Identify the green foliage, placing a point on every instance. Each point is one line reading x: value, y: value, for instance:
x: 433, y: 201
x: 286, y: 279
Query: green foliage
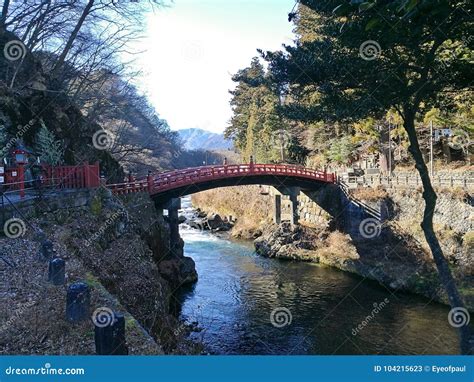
x: 48, y: 149
x: 421, y: 57
x: 366, y: 130
x: 256, y: 120
x: 341, y: 150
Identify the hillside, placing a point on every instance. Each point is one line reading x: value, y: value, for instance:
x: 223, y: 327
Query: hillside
x: 199, y: 139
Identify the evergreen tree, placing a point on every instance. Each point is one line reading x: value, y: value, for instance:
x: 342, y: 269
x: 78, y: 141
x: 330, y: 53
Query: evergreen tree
x: 48, y: 149
x: 256, y: 116
x: 369, y: 56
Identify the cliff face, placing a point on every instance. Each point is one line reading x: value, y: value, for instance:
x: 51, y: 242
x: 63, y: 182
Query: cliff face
x: 34, y: 97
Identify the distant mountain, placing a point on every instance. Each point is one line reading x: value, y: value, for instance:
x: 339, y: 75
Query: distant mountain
x: 198, y: 139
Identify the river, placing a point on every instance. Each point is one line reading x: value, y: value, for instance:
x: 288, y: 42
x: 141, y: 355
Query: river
x: 316, y: 309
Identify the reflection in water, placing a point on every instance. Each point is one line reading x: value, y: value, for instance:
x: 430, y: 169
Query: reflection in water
x: 237, y: 291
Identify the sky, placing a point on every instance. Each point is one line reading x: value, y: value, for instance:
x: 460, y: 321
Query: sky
x: 192, y: 48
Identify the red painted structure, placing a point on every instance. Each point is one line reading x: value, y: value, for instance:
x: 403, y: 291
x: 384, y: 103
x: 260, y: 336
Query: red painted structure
x: 161, y: 182
x: 80, y: 176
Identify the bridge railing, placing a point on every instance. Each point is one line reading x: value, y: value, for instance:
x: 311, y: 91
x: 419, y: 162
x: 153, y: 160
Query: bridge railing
x: 172, y: 179
x: 141, y: 185
x: 164, y: 181
x: 20, y: 179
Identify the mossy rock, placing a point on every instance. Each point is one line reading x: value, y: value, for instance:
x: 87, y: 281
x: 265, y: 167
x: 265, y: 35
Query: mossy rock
x: 92, y: 281
x: 96, y: 205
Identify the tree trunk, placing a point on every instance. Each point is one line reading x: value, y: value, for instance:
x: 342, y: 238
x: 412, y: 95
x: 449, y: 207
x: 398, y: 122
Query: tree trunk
x: 429, y: 195
x: 71, y: 39
x: 3, y: 17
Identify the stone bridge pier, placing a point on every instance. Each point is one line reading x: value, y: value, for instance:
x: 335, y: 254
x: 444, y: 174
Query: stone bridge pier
x: 292, y: 193
x: 173, y: 205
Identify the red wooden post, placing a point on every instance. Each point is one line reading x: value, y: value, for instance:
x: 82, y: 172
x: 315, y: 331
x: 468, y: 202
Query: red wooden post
x: 94, y: 175
x: 87, y: 174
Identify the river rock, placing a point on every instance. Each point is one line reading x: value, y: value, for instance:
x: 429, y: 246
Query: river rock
x: 214, y: 221
x: 285, y: 241
x: 178, y: 271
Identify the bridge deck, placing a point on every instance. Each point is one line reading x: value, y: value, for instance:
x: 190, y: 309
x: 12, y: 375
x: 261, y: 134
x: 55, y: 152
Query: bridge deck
x: 169, y: 180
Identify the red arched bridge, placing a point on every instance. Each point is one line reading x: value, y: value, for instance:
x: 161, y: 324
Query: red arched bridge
x: 172, y: 184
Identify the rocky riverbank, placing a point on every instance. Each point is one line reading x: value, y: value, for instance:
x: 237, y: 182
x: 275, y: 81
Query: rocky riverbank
x: 395, y: 257
x: 119, y: 247
x: 396, y: 262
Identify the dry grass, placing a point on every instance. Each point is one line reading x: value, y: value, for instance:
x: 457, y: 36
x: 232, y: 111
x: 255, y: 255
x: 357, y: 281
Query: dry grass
x: 369, y: 194
x: 339, y: 244
x: 244, y: 202
x: 32, y: 310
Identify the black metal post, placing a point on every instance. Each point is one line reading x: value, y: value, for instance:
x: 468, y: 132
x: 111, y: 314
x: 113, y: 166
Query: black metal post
x: 78, y: 302
x: 110, y: 339
x: 57, y: 271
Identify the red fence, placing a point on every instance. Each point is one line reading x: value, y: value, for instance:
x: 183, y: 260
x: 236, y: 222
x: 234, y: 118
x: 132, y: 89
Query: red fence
x: 80, y: 176
x: 164, y: 181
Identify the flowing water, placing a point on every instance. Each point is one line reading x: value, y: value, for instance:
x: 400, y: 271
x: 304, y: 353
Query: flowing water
x: 316, y: 309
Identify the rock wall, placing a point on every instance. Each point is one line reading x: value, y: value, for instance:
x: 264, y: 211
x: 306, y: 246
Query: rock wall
x: 452, y: 211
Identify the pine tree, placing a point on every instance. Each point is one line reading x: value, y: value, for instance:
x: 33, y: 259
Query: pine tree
x: 48, y: 149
